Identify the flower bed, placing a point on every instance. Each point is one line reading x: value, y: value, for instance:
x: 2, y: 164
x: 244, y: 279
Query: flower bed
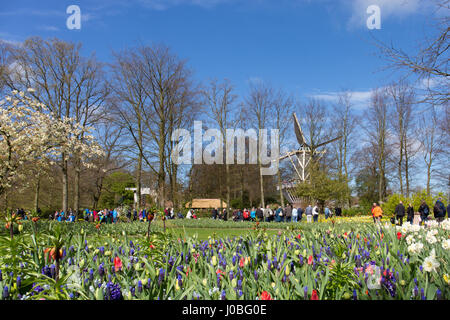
x: 346, y: 260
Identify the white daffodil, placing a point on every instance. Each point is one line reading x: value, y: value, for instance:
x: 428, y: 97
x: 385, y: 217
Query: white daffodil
x: 446, y: 244
x: 430, y: 264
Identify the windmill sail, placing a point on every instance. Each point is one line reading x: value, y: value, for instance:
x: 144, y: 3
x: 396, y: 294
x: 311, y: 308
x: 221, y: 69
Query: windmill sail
x: 327, y: 142
x: 298, y: 131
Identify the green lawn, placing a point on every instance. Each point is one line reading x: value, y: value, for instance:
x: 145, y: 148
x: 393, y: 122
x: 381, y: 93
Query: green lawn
x: 204, y: 233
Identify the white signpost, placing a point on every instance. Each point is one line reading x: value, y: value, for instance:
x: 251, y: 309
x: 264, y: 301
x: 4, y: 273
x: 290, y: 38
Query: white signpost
x: 148, y: 191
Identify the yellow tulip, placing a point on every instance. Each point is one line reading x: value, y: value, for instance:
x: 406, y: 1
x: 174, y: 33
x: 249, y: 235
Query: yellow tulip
x: 214, y: 260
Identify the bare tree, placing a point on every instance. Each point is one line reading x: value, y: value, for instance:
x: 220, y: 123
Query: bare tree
x: 259, y: 105
x: 343, y: 125
x: 430, y: 63
x: 376, y: 127
x: 402, y: 122
x: 283, y: 106
x: 220, y: 99
x: 157, y: 89
x: 431, y: 141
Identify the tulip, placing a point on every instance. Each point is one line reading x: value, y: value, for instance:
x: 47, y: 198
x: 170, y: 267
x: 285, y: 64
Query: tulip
x: 265, y: 296
x: 314, y: 295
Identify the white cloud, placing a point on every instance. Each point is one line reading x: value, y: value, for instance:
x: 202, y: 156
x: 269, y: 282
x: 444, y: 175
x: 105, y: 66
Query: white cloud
x: 166, y: 4
x: 359, y: 99
x: 49, y: 28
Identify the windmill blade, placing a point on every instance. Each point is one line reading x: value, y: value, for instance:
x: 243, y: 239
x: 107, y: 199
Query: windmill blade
x: 298, y: 131
x: 289, y: 154
x: 329, y: 141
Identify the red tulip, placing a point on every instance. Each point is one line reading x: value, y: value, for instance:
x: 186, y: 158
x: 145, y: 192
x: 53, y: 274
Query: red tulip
x: 299, y: 236
x: 310, y: 259
x: 117, y: 264
x: 241, y: 262
x: 265, y: 296
x: 399, y: 235
x: 314, y: 295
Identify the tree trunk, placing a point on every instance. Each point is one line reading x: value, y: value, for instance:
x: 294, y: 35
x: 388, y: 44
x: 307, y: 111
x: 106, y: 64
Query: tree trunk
x: 261, y: 183
x: 138, y: 182
x: 65, y: 182
x: 36, y: 192
x: 279, y: 186
x: 76, y: 196
x: 407, y: 172
x: 227, y: 174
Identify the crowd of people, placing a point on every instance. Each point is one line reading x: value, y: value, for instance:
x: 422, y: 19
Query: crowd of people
x: 267, y: 214
x: 288, y: 213
x: 439, y: 212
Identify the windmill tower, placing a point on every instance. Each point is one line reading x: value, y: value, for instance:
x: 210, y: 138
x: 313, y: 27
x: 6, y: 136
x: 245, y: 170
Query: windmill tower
x: 300, y: 160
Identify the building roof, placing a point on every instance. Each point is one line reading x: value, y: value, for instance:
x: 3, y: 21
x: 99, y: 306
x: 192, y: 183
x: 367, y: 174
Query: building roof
x: 206, y: 204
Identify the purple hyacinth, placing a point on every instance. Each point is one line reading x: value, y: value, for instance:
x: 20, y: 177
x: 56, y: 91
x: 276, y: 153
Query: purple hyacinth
x: 180, y: 280
x: 19, y: 282
x: 46, y: 271
x: 305, y: 293
x: 161, y: 276
x: 113, y: 291
x: 223, y: 295
x: 422, y: 294
x: 36, y: 290
x: 255, y: 273
x: 101, y: 270
x: 231, y: 275
x: 439, y: 294
x: 53, y: 270
x: 5, y: 294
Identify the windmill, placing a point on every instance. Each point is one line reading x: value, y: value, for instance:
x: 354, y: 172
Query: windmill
x: 300, y: 159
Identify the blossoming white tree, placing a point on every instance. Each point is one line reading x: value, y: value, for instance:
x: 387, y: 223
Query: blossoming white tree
x: 29, y: 133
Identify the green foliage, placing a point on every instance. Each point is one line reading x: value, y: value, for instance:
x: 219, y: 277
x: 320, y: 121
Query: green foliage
x: 366, y: 188
x: 114, y: 193
x: 415, y: 199
x: 356, y: 211
x: 322, y: 187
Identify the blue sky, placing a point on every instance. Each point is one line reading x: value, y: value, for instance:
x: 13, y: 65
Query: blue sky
x: 308, y: 47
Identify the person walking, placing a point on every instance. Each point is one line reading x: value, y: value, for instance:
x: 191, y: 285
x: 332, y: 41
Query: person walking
x: 300, y: 212
x: 377, y: 213
x: 214, y: 213
x: 371, y: 211
x: 294, y: 214
x: 410, y: 213
x: 400, y: 213
x: 267, y: 213
x: 279, y: 214
x: 439, y: 210
x: 288, y: 213
x: 260, y: 214
x: 253, y: 214
x: 424, y: 211
x: 316, y: 213
x: 309, y: 213
x: 327, y: 212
